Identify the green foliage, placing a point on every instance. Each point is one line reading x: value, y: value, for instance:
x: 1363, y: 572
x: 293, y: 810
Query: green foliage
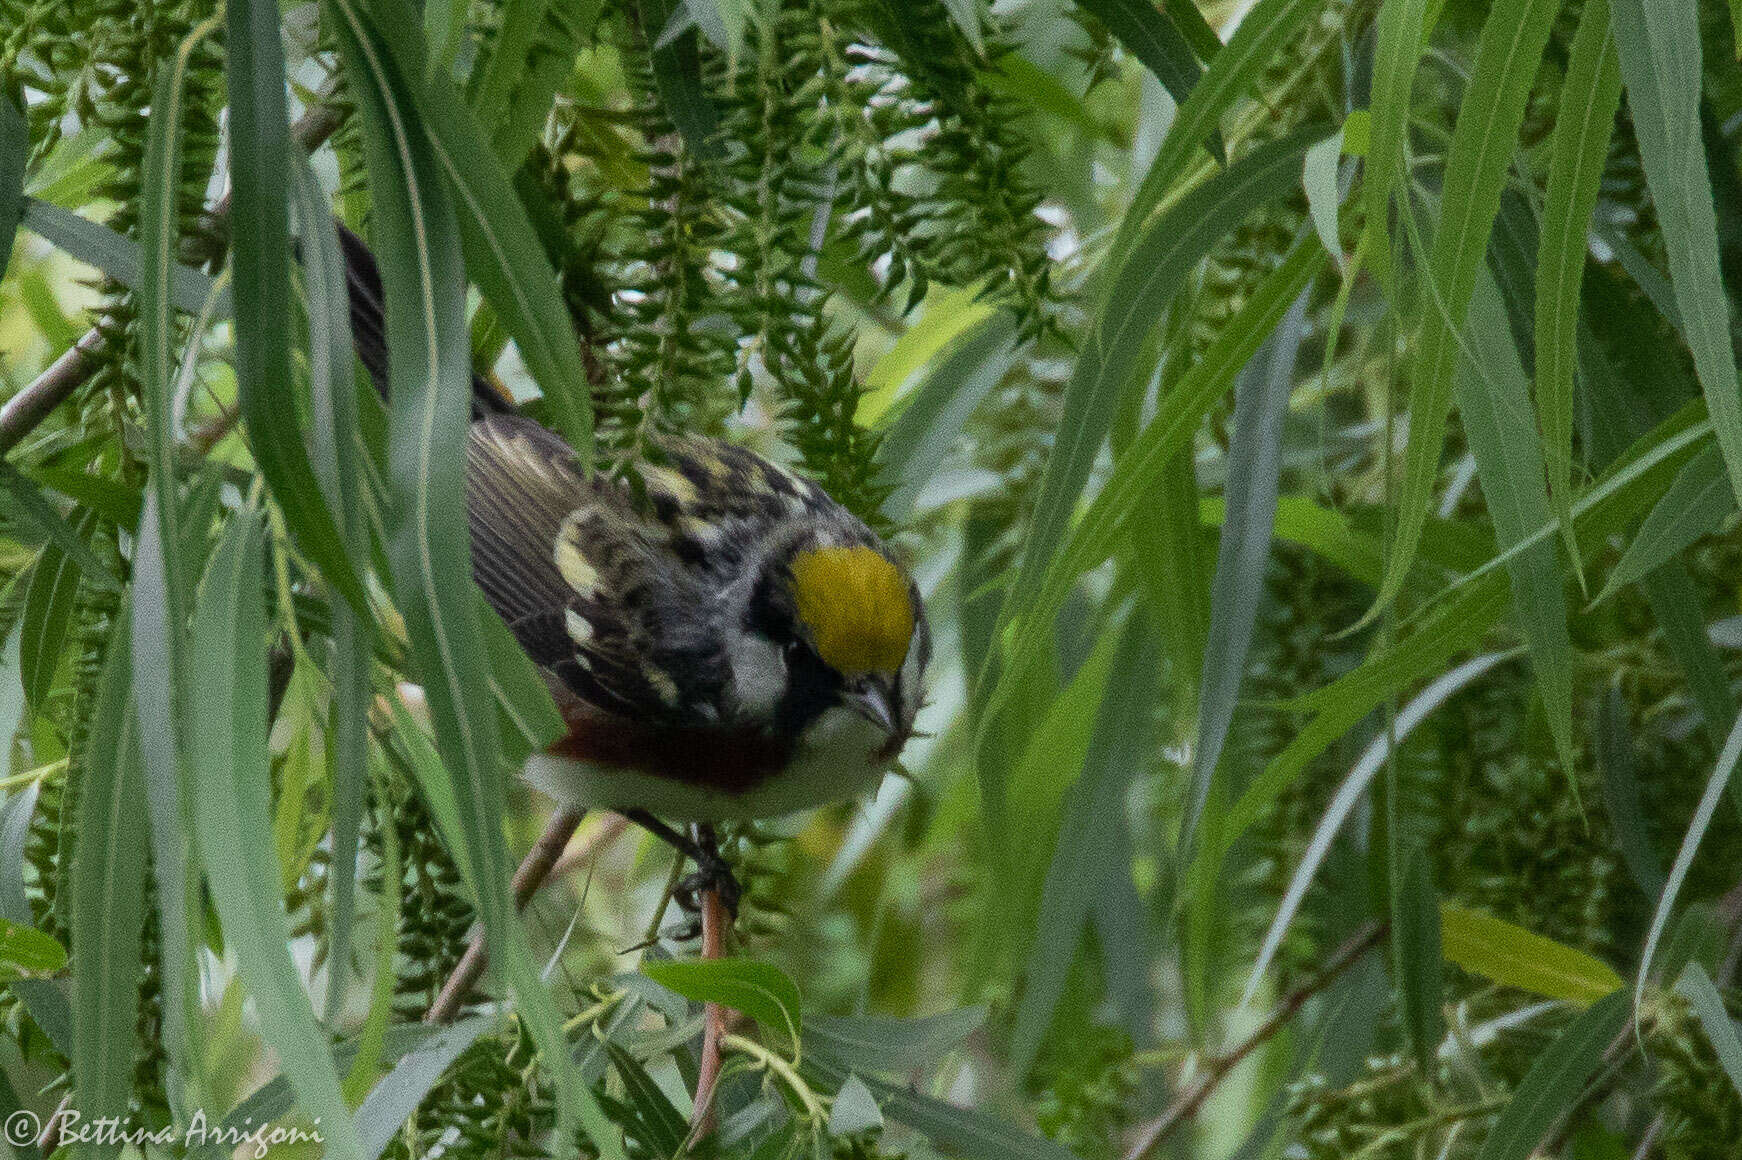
x: 944, y: 258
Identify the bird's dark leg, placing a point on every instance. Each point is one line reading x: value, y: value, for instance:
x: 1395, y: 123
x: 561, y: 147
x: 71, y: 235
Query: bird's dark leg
x: 703, y: 848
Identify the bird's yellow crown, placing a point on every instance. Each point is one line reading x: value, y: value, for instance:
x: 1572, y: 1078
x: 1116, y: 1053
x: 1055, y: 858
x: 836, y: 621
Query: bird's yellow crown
x: 857, y: 607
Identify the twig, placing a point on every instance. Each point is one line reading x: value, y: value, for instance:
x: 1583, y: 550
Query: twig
x: 534, y: 871
x: 715, y: 920
x: 1215, y: 1068
x: 24, y: 411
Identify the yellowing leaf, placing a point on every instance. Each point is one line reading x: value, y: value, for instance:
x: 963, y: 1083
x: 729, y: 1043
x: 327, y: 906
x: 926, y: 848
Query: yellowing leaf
x: 1515, y: 957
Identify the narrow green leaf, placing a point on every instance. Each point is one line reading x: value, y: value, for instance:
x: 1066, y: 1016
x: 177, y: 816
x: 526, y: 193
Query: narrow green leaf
x: 14, y: 152
x: 42, y: 630
x: 664, y: 1126
x: 1416, y: 957
x: 116, y: 502
x: 1675, y: 602
x: 1515, y: 957
x: 1268, y: 27
x: 336, y: 448
x: 1197, y: 31
x: 16, y: 816
x: 1554, y: 1082
x: 759, y: 991
x: 1507, y: 58
x: 1695, y: 505
x: 1628, y: 488
x: 108, y: 884
x: 1036, y: 778
x: 1254, y: 471
x: 115, y: 255
x: 515, y: 37
x: 1697, y: 988
x: 887, y: 1044
x: 1621, y: 794
x: 1450, y: 629
x: 260, y: 266
x: 393, y: 1100
x: 1616, y: 418
x: 1722, y: 773
x: 429, y: 542
x: 1590, y: 96
x: 1148, y: 276
x: 1152, y: 37
x: 11, y: 705
x: 43, y: 999
x: 1319, y: 179
x: 504, y: 257
x: 1132, y: 482
x: 566, y: 33
x: 161, y: 583
x: 921, y: 433
x: 677, y: 78
x: 26, y: 950
x: 35, y: 509
x: 1348, y: 795
x: 1494, y: 399
x: 532, y: 719
x: 1659, y: 45
x: 232, y: 805
x: 1092, y: 844
x: 854, y: 1110
x: 960, y: 1132
x: 1402, y: 34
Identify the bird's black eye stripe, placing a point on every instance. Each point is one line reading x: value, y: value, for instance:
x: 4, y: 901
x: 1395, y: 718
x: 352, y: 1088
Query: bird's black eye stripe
x: 811, y: 688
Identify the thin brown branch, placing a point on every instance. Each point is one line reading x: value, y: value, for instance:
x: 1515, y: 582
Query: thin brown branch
x: 23, y: 412
x: 1214, y: 1069
x: 715, y: 919
x: 534, y: 872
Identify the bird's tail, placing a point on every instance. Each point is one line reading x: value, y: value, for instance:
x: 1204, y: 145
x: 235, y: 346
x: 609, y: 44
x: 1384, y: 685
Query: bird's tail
x: 369, y: 324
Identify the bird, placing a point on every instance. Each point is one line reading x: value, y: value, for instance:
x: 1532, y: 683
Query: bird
x: 724, y: 640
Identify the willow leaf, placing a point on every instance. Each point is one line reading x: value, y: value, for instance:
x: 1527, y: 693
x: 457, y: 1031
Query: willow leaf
x: 1512, y: 956
x: 260, y: 267
x: 42, y: 629
x: 1554, y: 1082
x: 108, y: 884
x: 116, y: 255
x: 506, y: 65
x: 1590, y: 96
x: 1270, y: 26
x: 504, y: 257
x: 1721, y: 775
x: 233, y: 808
x: 1133, y: 480
x: 1702, y: 995
x: 1494, y: 400
x: 1148, y: 276
x: 14, y: 152
x: 1416, y: 955
x: 1695, y: 505
x: 34, y: 508
x: 1254, y: 471
x: 1153, y: 37
x: 1402, y: 32
x: 1507, y: 59
x: 1348, y: 795
x: 161, y: 583
x: 429, y: 543
x: 337, y: 448
x: 1659, y: 45
x: 1092, y: 845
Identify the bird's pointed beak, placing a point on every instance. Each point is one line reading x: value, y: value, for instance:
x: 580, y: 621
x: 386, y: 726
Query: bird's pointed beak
x: 874, y: 702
